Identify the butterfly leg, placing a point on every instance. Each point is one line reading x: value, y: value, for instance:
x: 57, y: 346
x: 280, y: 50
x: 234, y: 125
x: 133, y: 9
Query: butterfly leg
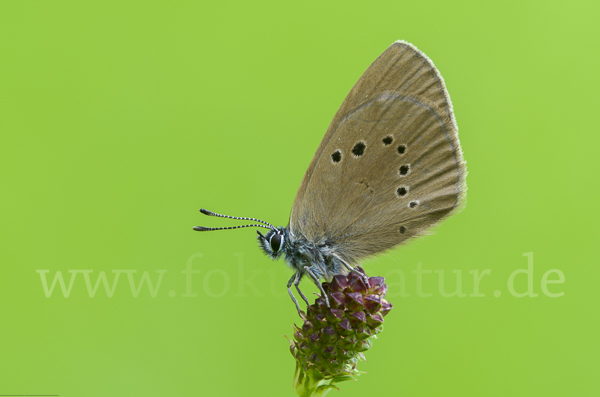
x: 295, y: 278
x: 296, y: 284
x: 316, y: 280
x: 350, y: 268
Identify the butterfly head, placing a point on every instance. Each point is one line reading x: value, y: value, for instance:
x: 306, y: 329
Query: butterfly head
x: 274, y: 242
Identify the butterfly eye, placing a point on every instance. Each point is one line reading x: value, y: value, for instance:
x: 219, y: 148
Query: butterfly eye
x: 276, y: 241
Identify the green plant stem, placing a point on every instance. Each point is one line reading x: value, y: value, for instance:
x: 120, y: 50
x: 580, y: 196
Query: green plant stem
x: 311, y: 384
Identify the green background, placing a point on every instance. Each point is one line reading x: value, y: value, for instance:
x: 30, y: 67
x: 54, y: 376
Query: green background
x: 120, y: 119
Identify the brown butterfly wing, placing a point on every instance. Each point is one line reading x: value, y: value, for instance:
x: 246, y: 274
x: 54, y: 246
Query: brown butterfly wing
x: 390, y: 165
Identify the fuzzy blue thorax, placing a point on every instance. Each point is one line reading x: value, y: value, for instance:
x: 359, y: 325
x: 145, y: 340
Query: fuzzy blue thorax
x: 300, y: 253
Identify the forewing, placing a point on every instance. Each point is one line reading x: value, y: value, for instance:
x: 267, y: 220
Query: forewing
x: 390, y: 165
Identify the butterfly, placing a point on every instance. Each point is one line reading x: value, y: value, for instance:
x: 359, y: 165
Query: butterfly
x: 389, y: 167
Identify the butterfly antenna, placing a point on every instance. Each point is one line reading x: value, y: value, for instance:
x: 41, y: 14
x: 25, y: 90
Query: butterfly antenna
x: 208, y: 229
x: 210, y: 213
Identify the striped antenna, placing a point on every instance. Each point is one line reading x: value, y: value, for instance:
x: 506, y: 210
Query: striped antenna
x: 208, y: 229
x: 210, y: 213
